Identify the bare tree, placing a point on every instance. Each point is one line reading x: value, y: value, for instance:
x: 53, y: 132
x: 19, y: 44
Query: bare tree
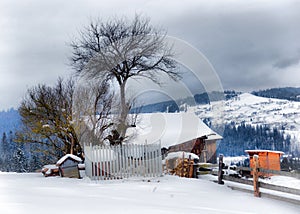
x: 118, y: 50
x: 46, y: 113
x: 48, y: 116
x: 92, y: 111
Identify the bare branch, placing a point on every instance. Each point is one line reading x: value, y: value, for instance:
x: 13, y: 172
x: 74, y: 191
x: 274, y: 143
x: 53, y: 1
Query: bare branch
x: 120, y: 49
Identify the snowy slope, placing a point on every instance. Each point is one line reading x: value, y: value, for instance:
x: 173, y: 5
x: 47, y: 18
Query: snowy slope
x: 34, y: 194
x: 255, y: 110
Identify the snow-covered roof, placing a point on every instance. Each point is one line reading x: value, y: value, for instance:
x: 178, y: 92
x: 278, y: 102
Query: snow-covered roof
x: 262, y: 150
x: 181, y: 154
x: 169, y: 129
x: 74, y: 157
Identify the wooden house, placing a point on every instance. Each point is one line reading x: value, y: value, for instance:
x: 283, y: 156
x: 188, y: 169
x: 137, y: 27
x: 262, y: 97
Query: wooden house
x: 68, y: 166
x: 176, y: 132
x: 268, y: 159
x: 205, y: 147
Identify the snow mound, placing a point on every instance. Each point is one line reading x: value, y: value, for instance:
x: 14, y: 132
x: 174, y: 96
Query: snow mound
x: 172, y: 155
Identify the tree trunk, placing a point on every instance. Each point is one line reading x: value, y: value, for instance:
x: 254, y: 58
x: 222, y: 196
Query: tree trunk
x: 124, y: 111
x: 72, y: 146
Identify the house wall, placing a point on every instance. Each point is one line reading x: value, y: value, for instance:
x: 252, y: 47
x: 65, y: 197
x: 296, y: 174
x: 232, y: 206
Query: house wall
x: 206, y: 150
x: 198, y: 147
x: 274, y: 161
x: 211, y: 151
x: 186, y: 147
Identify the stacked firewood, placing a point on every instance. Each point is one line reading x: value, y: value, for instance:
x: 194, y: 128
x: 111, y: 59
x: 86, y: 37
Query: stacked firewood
x: 182, y: 167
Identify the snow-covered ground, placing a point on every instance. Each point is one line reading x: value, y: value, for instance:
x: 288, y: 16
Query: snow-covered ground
x: 282, y: 181
x: 234, y: 160
x: 35, y: 194
x: 254, y: 110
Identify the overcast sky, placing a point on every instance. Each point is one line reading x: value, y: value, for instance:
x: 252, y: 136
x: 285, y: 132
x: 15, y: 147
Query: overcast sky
x: 251, y: 44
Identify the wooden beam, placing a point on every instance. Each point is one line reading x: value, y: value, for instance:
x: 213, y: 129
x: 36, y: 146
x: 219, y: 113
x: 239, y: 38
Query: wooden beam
x: 255, y: 176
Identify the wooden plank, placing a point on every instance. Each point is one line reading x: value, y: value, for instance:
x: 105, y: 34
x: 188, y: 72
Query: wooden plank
x: 244, y: 168
x: 279, y: 188
x: 238, y: 180
x: 240, y: 189
x: 283, y: 173
x: 275, y: 172
x: 255, y: 176
x: 267, y: 195
x: 264, y: 185
x: 220, y: 172
x: 280, y: 198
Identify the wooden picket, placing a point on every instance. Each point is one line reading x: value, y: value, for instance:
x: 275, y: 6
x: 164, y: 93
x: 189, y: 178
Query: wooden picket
x: 123, y: 161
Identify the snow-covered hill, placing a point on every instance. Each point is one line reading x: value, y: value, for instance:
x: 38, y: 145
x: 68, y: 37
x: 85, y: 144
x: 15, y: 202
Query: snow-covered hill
x: 254, y: 110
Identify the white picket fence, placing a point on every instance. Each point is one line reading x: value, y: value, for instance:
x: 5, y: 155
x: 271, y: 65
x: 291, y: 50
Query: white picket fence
x: 123, y: 161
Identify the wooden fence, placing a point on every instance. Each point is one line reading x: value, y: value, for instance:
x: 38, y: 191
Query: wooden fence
x: 123, y: 161
x: 257, y: 184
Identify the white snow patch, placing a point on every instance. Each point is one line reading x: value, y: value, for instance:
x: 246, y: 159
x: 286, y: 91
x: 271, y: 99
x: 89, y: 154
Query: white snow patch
x: 264, y: 150
x: 234, y: 160
x: 172, y: 155
x: 282, y: 181
x: 34, y: 194
x: 74, y: 157
x: 46, y: 126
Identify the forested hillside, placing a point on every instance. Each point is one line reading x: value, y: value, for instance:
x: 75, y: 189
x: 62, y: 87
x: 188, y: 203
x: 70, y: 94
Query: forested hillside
x: 237, y: 139
x: 288, y: 93
x: 9, y: 120
x: 19, y: 157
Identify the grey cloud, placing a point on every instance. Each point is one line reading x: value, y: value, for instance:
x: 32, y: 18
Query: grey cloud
x: 250, y: 44
x: 287, y: 60
x: 283, y: 63
x: 244, y: 45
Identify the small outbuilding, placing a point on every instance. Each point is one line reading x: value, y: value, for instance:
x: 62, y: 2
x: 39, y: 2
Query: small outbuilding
x: 267, y: 160
x: 68, y: 166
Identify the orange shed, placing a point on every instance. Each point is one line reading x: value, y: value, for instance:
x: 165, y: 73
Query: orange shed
x: 267, y: 159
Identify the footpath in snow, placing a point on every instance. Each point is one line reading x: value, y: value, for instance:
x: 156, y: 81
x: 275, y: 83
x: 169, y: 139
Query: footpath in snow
x: 32, y: 193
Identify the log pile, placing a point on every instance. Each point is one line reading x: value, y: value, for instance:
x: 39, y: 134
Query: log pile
x: 182, y: 167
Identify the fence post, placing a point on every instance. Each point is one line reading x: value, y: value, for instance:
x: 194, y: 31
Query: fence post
x: 255, y: 176
x: 220, y: 173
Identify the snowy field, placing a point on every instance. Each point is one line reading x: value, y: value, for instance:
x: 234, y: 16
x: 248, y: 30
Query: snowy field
x: 34, y: 194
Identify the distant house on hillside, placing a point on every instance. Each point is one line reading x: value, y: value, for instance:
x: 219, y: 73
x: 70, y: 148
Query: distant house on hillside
x: 176, y: 132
